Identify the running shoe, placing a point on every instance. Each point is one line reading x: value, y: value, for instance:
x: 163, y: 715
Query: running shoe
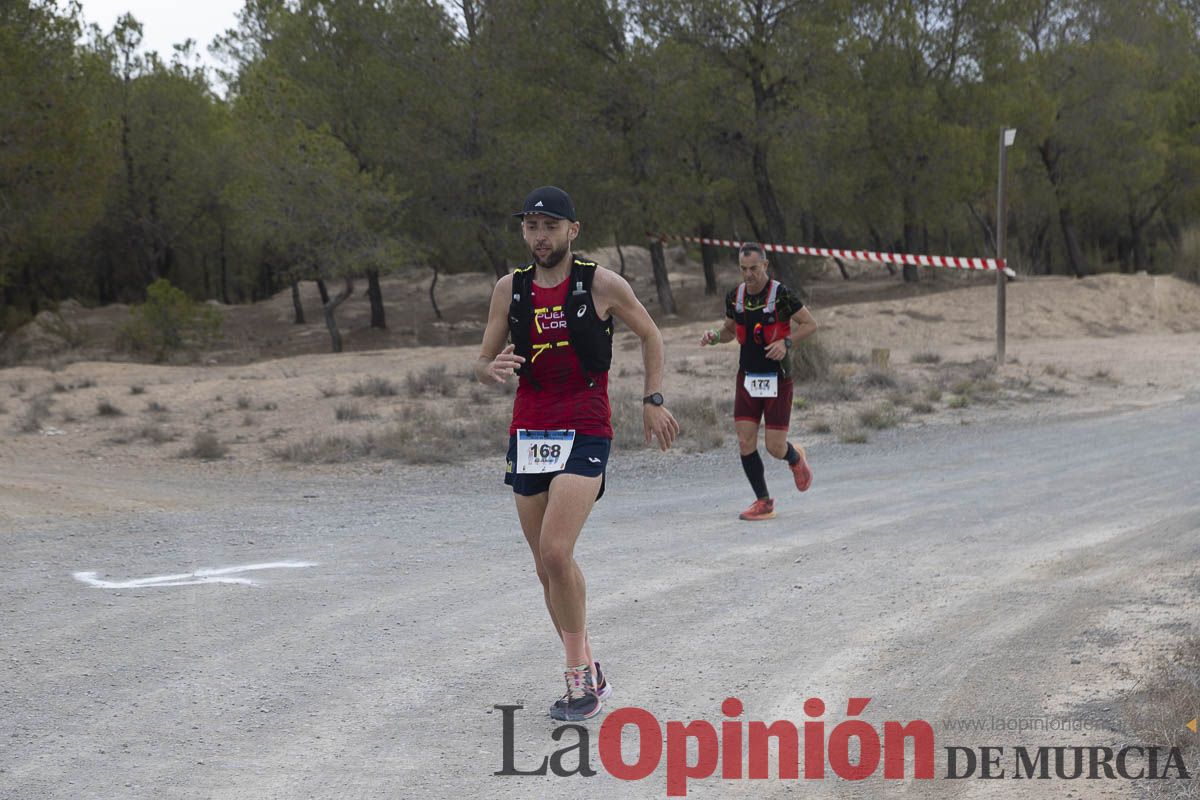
x: 603, y: 691
x: 801, y: 471
x: 762, y: 509
x: 581, y: 700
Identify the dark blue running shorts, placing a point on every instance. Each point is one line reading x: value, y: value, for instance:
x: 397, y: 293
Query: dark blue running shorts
x: 589, y: 457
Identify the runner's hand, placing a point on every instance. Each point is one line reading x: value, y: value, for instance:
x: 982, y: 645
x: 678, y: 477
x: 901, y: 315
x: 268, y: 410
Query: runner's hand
x: 777, y: 349
x: 657, y: 421
x: 710, y: 337
x: 504, y: 365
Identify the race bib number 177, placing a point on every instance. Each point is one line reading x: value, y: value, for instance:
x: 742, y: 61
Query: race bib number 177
x: 762, y: 384
x: 543, y: 451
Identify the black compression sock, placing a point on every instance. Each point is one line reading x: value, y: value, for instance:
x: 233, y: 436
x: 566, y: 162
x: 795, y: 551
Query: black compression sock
x: 792, y: 456
x: 753, y: 466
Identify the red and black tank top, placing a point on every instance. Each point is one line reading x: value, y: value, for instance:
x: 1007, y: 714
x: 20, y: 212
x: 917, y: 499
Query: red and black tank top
x: 555, y: 392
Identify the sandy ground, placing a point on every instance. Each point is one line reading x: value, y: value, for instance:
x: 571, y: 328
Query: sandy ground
x: 1007, y: 556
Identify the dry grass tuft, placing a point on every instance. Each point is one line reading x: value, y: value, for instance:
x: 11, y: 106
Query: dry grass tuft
x: 106, y: 409
x: 879, y: 417
x: 430, y: 382
x: 206, y: 447
x: 374, y: 387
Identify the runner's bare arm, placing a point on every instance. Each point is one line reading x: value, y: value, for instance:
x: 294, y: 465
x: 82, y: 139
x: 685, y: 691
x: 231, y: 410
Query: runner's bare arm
x: 496, y: 361
x: 725, y: 333
x: 802, y: 325
x: 612, y: 290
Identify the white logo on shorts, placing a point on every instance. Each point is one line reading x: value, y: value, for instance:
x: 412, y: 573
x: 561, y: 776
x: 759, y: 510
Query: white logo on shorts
x: 593, y: 460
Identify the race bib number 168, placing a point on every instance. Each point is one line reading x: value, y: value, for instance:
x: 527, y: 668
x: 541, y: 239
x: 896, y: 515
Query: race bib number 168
x: 543, y: 451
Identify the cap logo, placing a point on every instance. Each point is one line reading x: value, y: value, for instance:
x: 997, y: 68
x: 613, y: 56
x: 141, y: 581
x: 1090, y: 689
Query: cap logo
x: 538, y: 204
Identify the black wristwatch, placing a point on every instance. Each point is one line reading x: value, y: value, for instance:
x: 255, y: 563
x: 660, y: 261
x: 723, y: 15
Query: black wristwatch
x: 655, y: 399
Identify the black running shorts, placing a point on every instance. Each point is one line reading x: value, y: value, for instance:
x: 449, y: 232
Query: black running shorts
x: 589, y: 457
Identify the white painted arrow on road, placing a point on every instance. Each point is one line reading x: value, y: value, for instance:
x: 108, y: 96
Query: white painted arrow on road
x: 210, y: 575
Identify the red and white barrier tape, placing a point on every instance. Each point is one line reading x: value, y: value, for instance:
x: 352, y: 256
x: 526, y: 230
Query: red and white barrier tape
x: 952, y: 262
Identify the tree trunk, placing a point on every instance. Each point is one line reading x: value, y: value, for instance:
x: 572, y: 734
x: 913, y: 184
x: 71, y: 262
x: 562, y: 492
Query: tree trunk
x: 335, y: 335
x: 879, y: 248
x: 224, y: 268
x: 296, y: 305
x: 819, y: 238
x: 375, y: 293
x: 754, y: 226
x: 776, y: 231
x: 1075, y: 259
x: 323, y: 290
x: 498, y: 262
x: 432, y: 298
x: 1137, y: 242
x: 620, y: 254
x: 1051, y: 153
x: 708, y: 254
x: 661, y: 282
x: 910, y: 271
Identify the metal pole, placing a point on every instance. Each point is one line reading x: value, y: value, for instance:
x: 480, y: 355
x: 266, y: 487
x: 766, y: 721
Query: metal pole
x: 1001, y: 224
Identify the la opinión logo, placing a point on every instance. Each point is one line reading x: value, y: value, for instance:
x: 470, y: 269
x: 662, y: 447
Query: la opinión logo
x: 734, y: 749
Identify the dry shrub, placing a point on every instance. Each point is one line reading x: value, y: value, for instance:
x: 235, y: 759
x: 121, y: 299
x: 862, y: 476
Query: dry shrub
x: 926, y: 358
x: 35, y: 413
x: 429, y: 382
x: 1158, y: 709
x: 836, y: 389
x: 106, y: 409
x: 810, y: 360
x: 322, y: 450
x: 876, y: 378
x: 148, y: 432
x: 351, y: 412
x: 879, y: 417
x: 851, y: 357
x: 419, y: 436
x: 702, y: 424
x: 206, y: 447
x: 852, y: 435
x: 374, y: 387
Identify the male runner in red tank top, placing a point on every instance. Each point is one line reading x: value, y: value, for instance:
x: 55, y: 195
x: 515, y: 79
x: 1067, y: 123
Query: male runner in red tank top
x: 764, y: 316
x: 561, y: 430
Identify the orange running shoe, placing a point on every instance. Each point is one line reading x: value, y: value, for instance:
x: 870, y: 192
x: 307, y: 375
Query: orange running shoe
x: 801, y: 471
x: 761, y: 509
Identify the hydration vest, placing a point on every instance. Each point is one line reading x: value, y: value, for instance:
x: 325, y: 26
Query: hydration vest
x: 773, y: 328
x: 590, y: 336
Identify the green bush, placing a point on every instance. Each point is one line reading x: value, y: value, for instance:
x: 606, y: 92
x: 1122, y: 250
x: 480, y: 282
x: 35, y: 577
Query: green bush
x: 169, y: 320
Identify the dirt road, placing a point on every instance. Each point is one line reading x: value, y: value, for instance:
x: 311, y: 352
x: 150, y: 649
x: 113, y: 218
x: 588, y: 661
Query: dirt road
x: 947, y: 573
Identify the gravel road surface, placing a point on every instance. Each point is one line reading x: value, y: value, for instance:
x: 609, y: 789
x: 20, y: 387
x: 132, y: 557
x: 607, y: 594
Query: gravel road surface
x: 947, y: 573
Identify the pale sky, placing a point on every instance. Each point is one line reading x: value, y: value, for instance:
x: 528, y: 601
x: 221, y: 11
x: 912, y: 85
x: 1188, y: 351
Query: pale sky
x: 165, y: 23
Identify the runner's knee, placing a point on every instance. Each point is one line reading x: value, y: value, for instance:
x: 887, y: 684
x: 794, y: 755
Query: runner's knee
x: 556, y: 561
x: 777, y: 449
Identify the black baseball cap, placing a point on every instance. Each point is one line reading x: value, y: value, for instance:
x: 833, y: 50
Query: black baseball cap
x: 551, y: 201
